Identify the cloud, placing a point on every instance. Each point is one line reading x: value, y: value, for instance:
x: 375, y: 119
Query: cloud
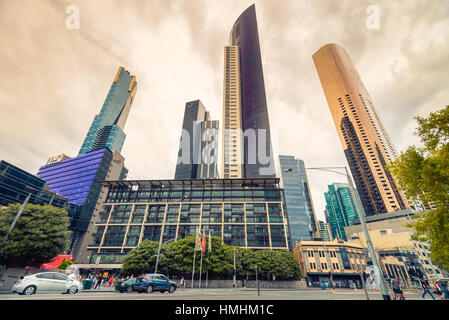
x: 55, y: 80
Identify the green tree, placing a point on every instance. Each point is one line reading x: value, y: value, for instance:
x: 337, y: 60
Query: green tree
x: 65, y: 263
x: 423, y: 173
x: 40, y: 234
x: 140, y: 259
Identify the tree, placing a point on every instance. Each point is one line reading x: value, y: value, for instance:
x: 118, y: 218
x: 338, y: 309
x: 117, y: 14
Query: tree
x: 140, y: 259
x: 65, y: 263
x: 40, y: 234
x: 176, y: 259
x: 423, y: 173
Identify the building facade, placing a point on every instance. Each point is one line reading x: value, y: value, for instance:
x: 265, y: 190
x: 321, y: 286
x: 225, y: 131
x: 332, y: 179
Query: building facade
x: 365, y: 141
x: 325, y: 232
x: 16, y: 184
x: 78, y: 179
x: 198, y: 148
x: 341, y: 209
x: 106, y: 130
x: 339, y: 264
x: 244, y: 212
x: 391, y: 236
x: 298, y: 200
x: 245, y: 104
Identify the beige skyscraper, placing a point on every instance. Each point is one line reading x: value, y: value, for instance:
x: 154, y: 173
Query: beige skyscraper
x: 232, y: 122
x: 366, y: 143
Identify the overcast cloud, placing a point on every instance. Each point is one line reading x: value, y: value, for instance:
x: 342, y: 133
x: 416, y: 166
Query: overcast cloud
x: 54, y: 80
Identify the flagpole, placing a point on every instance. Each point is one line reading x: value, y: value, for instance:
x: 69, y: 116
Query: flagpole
x: 208, y: 260
x: 193, y: 271
x: 201, y: 268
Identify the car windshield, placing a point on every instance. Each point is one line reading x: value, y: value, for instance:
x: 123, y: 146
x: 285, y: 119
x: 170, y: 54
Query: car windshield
x: 131, y: 281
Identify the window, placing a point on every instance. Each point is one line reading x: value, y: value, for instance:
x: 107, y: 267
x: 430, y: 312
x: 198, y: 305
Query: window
x: 61, y: 277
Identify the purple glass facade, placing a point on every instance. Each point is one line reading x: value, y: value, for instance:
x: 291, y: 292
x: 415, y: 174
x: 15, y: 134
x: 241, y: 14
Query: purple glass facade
x: 245, y: 35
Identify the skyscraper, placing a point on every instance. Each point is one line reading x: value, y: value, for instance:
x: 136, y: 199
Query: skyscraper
x: 197, y: 157
x: 366, y: 143
x: 340, y: 209
x: 300, y: 212
x: 106, y: 131
x: 245, y: 105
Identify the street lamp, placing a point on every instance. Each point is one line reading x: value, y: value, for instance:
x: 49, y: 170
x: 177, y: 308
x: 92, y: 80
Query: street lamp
x: 162, y: 235
x: 372, y: 252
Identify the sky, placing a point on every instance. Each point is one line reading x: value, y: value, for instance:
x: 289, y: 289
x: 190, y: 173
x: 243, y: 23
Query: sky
x: 55, y: 76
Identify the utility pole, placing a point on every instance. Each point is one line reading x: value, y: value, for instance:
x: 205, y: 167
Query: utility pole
x: 235, y: 283
x: 372, y: 252
x: 257, y: 280
x: 16, y: 218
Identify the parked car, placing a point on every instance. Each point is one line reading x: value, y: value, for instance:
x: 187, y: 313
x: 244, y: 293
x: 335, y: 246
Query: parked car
x: 154, y: 282
x: 126, y: 285
x: 46, y: 281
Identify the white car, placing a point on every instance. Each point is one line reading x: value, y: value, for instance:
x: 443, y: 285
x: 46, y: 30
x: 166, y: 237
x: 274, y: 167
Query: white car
x: 47, y: 282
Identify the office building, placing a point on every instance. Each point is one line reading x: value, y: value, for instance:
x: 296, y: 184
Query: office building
x: 340, y: 209
x: 16, y: 184
x: 298, y: 200
x: 247, y: 213
x: 106, y: 130
x: 198, y: 148
x: 325, y: 233
x: 247, y: 154
x: 365, y: 141
x: 336, y: 263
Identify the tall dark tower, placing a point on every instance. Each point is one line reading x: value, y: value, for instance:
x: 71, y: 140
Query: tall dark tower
x: 244, y: 89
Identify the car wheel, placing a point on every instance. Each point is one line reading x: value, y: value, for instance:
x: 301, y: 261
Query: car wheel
x: 129, y: 289
x: 150, y: 289
x: 72, y: 290
x: 29, y: 290
x: 171, y: 289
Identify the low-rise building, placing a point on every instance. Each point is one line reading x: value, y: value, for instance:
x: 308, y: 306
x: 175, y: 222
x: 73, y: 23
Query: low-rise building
x: 337, y: 263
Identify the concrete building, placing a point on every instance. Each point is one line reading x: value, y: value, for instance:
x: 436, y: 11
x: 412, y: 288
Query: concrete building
x: 244, y: 212
x: 57, y: 158
x: 365, y: 141
x: 198, y: 148
x: 337, y: 262
x: 391, y: 236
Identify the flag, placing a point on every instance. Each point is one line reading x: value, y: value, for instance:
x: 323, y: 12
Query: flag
x: 198, y: 239
x: 210, y: 243
x: 204, y: 242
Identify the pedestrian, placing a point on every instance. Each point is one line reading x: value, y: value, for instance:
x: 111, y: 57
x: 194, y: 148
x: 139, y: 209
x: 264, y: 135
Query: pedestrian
x: 99, y: 280
x: 397, y: 292
x: 111, y: 280
x: 425, y: 288
x: 444, y: 290
x: 182, y: 284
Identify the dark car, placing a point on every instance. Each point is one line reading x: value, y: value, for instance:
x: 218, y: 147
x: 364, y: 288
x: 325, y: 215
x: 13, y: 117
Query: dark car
x: 154, y: 282
x: 126, y: 285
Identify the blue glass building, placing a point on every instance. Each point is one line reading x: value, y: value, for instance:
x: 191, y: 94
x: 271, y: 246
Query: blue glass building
x: 78, y: 179
x: 301, y: 214
x: 340, y: 209
x: 106, y: 131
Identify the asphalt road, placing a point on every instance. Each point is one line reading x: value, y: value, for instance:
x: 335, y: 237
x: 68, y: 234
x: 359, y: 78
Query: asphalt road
x: 215, y: 294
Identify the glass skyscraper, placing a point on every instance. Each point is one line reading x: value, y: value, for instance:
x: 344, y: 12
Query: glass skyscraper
x: 106, y: 131
x: 195, y: 159
x: 301, y: 214
x: 340, y: 209
x: 245, y: 104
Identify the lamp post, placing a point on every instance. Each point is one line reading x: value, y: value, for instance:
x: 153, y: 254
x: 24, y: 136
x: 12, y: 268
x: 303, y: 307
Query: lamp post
x: 16, y: 218
x: 372, y: 252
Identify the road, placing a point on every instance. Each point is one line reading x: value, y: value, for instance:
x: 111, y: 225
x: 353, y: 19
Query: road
x: 215, y: 294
